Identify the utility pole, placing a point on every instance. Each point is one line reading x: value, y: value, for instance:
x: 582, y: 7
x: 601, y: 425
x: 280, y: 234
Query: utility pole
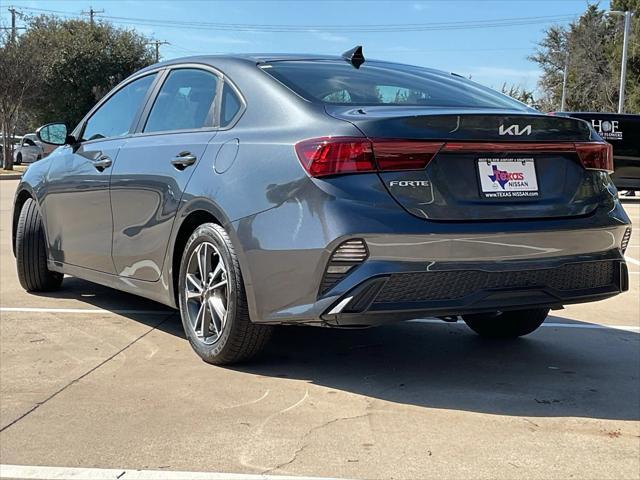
x: 625, y: 47
x: 157, y: 44
x: 623, y: 68
x: 91, y: 14
x: 13, y: 24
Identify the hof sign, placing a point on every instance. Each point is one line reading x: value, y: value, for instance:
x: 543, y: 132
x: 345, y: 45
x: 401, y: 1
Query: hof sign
x: 607, y: 129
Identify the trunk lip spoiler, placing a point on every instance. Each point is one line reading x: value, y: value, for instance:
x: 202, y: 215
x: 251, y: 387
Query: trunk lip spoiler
x: 557, y: 146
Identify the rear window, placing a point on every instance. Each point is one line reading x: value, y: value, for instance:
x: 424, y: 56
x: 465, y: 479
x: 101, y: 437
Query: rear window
x: 338, y: 83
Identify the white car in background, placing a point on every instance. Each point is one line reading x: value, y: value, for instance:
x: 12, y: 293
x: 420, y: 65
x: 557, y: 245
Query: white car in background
x: 29, y: 150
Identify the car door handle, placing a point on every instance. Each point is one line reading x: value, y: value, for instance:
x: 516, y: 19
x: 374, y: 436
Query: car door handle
x: 183, y: 160
x: 103, y: 162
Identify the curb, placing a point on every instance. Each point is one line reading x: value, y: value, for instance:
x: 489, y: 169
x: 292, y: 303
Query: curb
x: 17, y: 176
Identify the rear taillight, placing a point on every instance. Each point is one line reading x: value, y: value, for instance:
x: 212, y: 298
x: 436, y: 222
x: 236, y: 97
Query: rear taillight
x: 404, y: 155
x: 596, y: 156
x: 592, y: 155
x: 338, y: 155
x: 332, y: 156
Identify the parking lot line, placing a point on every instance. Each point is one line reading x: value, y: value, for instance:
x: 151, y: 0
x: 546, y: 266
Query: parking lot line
x: 20, y: 472
x: 631, y: 260
x: 81, y: 310
x: 420, y: 320
x: 589, y: 326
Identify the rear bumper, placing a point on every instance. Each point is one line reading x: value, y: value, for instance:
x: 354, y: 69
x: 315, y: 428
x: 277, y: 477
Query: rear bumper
x: 413, y: 276
x: 458, y: 289
x: 284, y: 253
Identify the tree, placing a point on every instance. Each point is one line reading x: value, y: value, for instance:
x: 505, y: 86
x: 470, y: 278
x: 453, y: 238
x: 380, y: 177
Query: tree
x: 592, y: 47
x: 519, y: 93
x: 58, y: 69
x: 83, y: 62
x: 19, y: 81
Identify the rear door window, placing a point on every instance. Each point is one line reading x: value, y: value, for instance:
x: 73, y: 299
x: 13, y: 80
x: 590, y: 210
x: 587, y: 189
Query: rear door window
x: 185, y: 101
x: 378, y: 83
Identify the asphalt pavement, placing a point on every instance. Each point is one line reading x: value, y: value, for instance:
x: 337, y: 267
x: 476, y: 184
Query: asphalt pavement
x: 92, y: 378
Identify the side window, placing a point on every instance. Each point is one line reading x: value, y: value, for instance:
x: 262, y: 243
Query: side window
x: 115, y: 116
x: 401, y: 95
x: 28, y: 142
x: 184, y: 102
x: 230, y: 105
x: 341, y: 96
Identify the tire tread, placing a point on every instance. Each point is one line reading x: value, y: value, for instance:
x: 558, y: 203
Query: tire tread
x: 246, y: 339
x: 31, y: 252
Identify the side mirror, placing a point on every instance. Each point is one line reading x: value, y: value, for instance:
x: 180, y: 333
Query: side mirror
x: 54, y: 134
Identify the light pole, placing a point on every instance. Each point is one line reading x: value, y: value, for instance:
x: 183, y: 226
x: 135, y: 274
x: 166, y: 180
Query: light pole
x: 565, y: 75
x: 563, y: 101
x: 625, y: 47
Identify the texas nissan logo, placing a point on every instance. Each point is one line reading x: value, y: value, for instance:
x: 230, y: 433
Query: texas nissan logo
x: 514, y: 130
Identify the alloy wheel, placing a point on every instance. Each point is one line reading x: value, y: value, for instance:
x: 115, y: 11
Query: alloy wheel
x: 207, y: 293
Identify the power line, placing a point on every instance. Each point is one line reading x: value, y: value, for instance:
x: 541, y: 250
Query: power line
x: 282, y: 28
x: 351, y: 28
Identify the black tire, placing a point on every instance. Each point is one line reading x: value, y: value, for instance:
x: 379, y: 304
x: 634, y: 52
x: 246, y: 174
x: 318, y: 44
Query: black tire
x: 31, y: 252
x: 18, y: 159
x: 511, y: 324
x: 240, y: 339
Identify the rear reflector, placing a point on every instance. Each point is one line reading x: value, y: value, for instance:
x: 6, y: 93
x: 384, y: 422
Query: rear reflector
x: 339, y: 155
x: 625, y: 239
x: 348, y: 255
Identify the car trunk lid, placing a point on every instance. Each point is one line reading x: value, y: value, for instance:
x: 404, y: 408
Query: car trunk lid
x: 485, y: 165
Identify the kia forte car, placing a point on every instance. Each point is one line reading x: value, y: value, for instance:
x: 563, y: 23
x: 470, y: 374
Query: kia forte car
x: 259, y: 190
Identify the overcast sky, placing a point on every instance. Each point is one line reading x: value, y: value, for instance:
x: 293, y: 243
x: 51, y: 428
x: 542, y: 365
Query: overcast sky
x: 490, y: 55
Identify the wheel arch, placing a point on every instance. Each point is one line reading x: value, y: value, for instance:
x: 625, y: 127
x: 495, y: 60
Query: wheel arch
x: 194, y: 214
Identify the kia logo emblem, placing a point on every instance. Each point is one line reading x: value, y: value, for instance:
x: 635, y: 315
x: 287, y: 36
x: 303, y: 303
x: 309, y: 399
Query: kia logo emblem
x: 514, y: 130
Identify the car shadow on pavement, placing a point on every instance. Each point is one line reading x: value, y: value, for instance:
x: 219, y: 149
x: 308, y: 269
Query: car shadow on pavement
x: 128, y: 305
x: 555, y: 372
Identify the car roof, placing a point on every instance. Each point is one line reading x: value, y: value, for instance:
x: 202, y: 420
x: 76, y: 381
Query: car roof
x: 258, y: 58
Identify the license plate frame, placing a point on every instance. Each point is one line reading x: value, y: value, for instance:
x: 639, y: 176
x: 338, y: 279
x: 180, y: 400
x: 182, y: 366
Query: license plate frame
x: 511, y: 178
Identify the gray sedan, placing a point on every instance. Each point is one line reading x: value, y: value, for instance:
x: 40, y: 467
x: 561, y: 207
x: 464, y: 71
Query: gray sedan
x: 258, y: 190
